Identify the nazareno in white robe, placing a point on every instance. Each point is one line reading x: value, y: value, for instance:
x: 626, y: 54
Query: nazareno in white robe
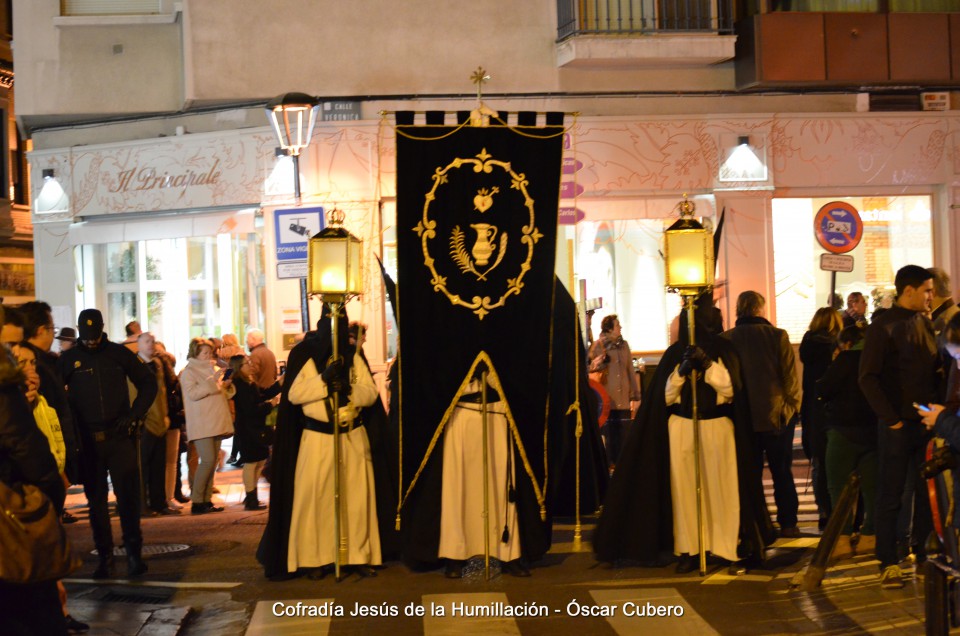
x: 718, y: 466
x: 461, y: 514
x: 312, y: 542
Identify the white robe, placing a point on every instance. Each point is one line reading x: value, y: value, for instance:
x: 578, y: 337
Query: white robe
x: 312, y: 542
x: 461, y: 513
x: 718, y: 466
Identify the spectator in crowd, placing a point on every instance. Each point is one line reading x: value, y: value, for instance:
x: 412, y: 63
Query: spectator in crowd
x: 95, y: 373
x: 252, y: 434
x: 11, y: 334
x: 773, y: 389
x: 38, y: 331
x: 897, y: 368
x: 263, y: 364
x: 851, y: 432
x: 610, y: 356
x: 944, y: 418
x: 208, y: 420
x: 49, y: 424
x: 133, y: 331
x: 176, y: 442
x: 67, y: 338
x: 856, y: 312
x: 153, y: 439
x: 25, y: 457
x: 816, y: 354
x: 943, y: 307
x: 230, y: 348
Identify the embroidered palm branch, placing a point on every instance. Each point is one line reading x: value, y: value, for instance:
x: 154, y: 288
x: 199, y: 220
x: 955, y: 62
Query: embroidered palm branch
x: 458, y: 251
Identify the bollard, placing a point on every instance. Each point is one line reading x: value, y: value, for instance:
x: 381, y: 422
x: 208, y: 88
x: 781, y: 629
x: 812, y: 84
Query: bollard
x: 936, y: 603
x: 810, y: 577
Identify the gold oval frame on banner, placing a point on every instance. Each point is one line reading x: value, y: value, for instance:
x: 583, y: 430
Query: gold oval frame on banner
x: 426, y: 230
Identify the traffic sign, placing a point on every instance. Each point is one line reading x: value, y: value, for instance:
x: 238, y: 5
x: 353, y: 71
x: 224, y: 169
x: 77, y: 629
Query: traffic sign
x: 836, y: 262
x: 838, y: 227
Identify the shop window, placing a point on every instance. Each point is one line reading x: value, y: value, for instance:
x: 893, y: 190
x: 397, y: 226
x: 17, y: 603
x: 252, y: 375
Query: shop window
x: 896, y: 232
x: 209, y: 293
x: 620, y: 262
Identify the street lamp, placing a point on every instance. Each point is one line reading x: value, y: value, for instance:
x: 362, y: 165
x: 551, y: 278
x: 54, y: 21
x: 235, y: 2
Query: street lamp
x: 335, y: 273
x: 688, y: 251
x: 292, y: 116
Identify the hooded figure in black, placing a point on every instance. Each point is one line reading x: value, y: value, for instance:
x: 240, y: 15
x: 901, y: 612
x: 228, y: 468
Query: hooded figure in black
x: 317, y: 346
x: 637, y: 519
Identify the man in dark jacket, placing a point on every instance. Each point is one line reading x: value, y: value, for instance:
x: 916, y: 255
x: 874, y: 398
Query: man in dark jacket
x: 770, y: 376
x: 897, y: 368
x: 96, y: 373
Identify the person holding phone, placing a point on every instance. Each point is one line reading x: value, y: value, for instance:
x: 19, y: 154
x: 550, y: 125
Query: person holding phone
x: 205, y: 395
x: 944, y: 419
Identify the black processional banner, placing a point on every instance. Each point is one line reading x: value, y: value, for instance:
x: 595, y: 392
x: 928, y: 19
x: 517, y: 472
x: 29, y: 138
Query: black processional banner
x: 476, y: 241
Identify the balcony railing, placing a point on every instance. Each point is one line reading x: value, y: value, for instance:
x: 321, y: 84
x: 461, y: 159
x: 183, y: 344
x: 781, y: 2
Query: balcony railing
x: 635, y: 17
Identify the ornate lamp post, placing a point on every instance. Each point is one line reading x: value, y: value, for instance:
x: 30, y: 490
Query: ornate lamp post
x: 292, y: 116
x: 335, y: 273
x: 688, y: 251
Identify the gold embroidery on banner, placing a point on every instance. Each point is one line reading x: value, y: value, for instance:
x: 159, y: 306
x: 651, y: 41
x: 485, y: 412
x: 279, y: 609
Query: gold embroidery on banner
x: 485, y: 244
x: 484, y: 199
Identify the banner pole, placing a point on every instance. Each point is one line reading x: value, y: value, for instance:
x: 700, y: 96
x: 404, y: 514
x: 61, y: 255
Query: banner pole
x: 486, y: 477
x: 340, y: 543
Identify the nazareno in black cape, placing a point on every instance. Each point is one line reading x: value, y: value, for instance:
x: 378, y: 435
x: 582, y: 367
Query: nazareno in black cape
x: 637, y: 519
x: 318, y: 346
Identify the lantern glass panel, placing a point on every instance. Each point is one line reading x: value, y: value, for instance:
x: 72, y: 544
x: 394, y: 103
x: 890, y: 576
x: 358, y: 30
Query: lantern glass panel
x: 689, y: 255
x: 327, y: 273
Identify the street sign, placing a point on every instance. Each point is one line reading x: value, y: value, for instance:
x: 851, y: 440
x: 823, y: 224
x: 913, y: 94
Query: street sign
x: 838, y: 227
x: 836, y: 262
x: 293, y: 228
x: 292, y: 269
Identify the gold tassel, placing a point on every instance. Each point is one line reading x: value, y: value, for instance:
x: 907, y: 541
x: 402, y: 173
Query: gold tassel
x: 398, y: 522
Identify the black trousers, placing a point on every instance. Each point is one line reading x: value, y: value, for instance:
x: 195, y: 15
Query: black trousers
x: 778, y: 447
x: 153, y: 463
x: 896, y: 448
x: 118, y: 456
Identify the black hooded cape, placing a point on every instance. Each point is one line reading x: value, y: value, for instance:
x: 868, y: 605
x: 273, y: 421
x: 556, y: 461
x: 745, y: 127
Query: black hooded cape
x: 637, y: 519
x: 569, y: 383
x: 318, y: 346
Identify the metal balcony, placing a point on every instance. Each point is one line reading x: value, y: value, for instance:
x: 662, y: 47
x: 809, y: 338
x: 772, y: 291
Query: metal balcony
x: 643, y: 17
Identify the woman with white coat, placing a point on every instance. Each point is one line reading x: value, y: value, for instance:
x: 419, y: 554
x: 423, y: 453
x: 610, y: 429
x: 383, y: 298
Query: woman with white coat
x: 207, y: 411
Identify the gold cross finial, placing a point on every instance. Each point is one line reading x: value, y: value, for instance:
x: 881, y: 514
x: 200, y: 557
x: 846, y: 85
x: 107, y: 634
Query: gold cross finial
x: 479, y: 77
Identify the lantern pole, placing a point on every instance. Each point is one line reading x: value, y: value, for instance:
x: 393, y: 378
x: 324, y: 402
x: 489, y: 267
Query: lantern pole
x: 336, y: 298
x: 692, y: 276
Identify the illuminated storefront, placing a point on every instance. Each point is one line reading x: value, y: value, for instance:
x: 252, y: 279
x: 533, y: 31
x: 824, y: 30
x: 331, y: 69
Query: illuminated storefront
x: 187, y: 241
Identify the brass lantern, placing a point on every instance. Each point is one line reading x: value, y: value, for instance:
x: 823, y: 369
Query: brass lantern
x: 334, y: 262
x: 293, y: 116
x: 688, y: 251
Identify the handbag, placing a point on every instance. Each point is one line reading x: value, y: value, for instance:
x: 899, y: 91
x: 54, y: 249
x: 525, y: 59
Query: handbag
x: 33, y: 543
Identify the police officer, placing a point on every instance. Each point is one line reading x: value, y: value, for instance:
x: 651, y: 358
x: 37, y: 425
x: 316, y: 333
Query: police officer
x: 96, y: 373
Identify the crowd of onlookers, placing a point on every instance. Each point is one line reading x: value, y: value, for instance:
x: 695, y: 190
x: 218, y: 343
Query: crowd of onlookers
x: 871, y: 394
x: 120, y: 410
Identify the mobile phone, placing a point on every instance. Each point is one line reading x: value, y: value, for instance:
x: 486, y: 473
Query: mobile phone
x: 227, y: 374
x: 921, y: 407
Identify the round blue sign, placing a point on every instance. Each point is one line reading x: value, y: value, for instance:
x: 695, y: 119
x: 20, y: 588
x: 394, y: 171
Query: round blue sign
x: 838, y: 227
